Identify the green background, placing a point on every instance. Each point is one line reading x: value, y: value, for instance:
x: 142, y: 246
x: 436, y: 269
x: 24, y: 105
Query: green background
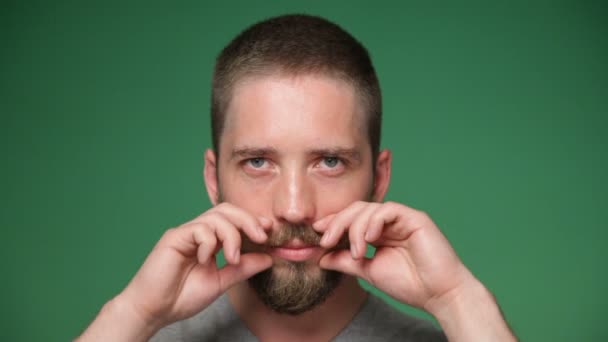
x: 496, y: 113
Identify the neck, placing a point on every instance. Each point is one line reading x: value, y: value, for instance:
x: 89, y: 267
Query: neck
x: 269, y: 326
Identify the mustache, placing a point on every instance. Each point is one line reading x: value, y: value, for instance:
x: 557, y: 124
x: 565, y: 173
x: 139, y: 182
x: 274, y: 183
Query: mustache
x: 288, y: 232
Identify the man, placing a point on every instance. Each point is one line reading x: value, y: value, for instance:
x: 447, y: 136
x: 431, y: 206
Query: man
x: 297, y: 181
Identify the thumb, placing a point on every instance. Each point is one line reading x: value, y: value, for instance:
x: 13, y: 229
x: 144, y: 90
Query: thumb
x: 342, y: 261
x: 249, y: 264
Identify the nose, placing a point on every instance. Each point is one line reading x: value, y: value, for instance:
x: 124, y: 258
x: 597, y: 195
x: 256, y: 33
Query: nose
x: 294, y: 198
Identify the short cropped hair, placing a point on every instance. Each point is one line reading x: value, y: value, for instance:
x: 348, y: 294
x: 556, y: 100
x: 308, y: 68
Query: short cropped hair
x: 296, y: 45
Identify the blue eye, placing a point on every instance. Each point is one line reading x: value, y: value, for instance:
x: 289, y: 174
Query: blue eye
x: 331, y: 161
x: 256, y: 162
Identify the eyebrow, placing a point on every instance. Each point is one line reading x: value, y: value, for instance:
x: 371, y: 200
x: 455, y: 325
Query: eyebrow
x: 351, y: 153
x: 251, y: 152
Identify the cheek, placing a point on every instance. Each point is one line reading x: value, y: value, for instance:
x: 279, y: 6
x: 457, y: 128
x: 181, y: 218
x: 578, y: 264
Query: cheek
x: 251, y: 195
x: 332, y: 198
x: 330, y: 195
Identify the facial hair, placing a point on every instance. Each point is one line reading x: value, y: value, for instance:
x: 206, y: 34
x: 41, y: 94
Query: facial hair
x: 294, y: 287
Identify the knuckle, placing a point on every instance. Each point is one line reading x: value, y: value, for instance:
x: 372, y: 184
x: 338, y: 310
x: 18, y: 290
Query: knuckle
x: 373, y: 219
x: 169, y: 233
x: 249, y: 221
x: 423, y: 214
x: 336, y: 224
x: 396, y: 206
x: 360, y: 203
x: 233, y: 235
x: 197, y: 226
x: 212, y: 214
x: 214, y: 221
x: 222, y: 208
x: 233, y: 241
x: 227, y: 232
x: 217, y: 217
x: 223, y: 205
x: 393, y: 205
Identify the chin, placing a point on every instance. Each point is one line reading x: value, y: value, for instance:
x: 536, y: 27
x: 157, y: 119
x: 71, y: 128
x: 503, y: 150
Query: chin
x: 294, y: 287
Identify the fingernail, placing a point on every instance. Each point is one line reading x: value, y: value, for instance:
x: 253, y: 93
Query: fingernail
x: 260, y: 232
x: 325, y: 238
x: 368, y: 235
x: 353, y: 250
x: 236, y: 256
x: 265, y: 221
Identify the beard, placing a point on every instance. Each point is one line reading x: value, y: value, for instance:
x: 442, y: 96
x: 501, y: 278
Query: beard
x: 294, y: 287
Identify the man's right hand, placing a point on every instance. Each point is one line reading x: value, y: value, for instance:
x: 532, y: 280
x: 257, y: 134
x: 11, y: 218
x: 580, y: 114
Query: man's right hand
x: 180, y: 277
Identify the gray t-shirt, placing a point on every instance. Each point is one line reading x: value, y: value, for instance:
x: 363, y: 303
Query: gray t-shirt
x: 377, y: 321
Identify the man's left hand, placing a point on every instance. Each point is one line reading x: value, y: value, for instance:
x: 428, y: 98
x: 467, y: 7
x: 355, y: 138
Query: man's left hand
x: 414, y: 262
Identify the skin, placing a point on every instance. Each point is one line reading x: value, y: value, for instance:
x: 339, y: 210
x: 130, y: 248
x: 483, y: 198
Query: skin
x: 295, y: 122
x: 277, y: 164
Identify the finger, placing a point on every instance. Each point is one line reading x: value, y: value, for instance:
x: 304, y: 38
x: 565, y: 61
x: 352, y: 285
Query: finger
x: 340, y: 223
x: 244, y: 221
x: 184, y: 240
x: 266, y: 222
x: 321, y: 224
x: 207, y: 243
x: 342, y: 261
x: 228, y: 235
x: 390, y: 213
x: 251, y: 263
x: 240, y: 218
x: 375, y: 226
x: 357, y: 230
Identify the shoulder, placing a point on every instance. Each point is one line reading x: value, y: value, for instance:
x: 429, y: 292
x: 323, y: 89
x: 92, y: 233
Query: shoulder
x: 379, y: 321
x: 216, y: 322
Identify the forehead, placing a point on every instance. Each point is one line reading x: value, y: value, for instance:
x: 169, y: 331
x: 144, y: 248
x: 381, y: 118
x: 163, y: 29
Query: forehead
x: 289, y: 112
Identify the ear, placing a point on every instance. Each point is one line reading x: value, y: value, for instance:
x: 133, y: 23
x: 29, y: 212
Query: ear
x: 383, y: 175
x: 210, y: 175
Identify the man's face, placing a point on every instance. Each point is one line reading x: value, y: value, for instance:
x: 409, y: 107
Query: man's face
x: 294, y: 149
